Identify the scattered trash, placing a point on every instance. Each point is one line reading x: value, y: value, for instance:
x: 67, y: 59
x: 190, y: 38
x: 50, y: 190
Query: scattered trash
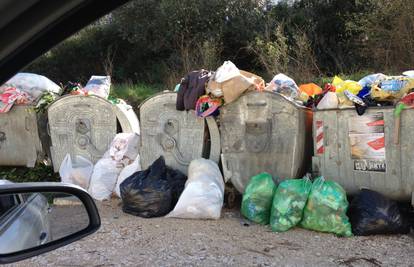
x: 257, y: 198
x: 326, y: 209
x: 371, y: 213
x: 288, y: 203
x: 153, y: 192
x: 203, y: 194
x: 77, y: 171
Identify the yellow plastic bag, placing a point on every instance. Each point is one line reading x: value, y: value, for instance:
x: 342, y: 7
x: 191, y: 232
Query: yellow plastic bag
x: 341, y: 85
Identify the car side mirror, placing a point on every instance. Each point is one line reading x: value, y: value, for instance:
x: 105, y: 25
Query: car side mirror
x: 38, y: 217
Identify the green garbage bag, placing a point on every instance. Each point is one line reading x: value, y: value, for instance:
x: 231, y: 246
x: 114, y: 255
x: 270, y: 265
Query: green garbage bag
x: 288, y: 203
x: 326, y: 209
x: 257, y: 198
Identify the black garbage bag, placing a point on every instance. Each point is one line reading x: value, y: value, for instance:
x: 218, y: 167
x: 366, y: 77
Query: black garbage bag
x: 371, y: 213
x: 152, y: 192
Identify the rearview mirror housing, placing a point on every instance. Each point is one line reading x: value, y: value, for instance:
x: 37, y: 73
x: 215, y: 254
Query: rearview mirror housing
x: 47, y: 189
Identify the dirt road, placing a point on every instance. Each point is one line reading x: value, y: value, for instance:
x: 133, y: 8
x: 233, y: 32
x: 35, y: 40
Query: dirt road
x: 125, y: 240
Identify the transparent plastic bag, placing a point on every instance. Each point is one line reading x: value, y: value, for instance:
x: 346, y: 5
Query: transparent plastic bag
x: 76, y: 172
x: 284, y: 85
x: 203, y: 194
x: 98, y: 85
x: 326, y: 209
x: 371, y: 79
x: 329, y: 101
x: 257, y: 198
x: 288, y: 203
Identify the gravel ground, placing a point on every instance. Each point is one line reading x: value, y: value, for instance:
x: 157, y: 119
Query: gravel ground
x: 125, y: 240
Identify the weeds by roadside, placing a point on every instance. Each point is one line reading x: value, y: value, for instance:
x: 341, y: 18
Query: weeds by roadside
x: 40, y: 173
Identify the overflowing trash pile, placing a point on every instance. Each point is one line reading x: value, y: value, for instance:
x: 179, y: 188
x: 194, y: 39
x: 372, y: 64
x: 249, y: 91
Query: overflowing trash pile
x: 316, y: 203
x: 26, y: 89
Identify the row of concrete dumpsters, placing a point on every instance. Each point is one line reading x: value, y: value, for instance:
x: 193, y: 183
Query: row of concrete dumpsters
x: 259, y: 132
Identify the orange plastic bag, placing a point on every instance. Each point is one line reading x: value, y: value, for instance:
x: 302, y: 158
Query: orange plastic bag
x: 310, y: 89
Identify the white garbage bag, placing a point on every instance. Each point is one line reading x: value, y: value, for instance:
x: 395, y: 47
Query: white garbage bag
x: 226, y: 72
x: 103, y: 180
x: 98, y: 85
x: 76, y: 172
x: 203, y: 194
x: 122, y: 152
x: 126, y: 172
x: 329, y: 101
x: 33, y: 84
x: 409, y: 73
x: 124, y: 148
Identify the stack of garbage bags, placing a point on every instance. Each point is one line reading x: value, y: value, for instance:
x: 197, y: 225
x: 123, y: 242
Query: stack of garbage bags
x: 161, y: 190
x: 319, y: 206
x: 104, y: 178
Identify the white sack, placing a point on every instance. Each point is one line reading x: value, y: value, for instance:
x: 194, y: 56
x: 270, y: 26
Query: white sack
x: 103, y: 180
x: 124, y: 148
x: 33, y: 84
x: 203, y: 195
x: 121, y: 153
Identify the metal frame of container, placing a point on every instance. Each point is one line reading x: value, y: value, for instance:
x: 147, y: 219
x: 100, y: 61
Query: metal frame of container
x: 333, y: 131
x: 264, y: 132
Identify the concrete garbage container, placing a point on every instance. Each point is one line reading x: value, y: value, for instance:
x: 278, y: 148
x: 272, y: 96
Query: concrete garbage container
x: 20, y: 144
x: 264, y: 132
x: 180, y: 136
x: 80, y: 125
